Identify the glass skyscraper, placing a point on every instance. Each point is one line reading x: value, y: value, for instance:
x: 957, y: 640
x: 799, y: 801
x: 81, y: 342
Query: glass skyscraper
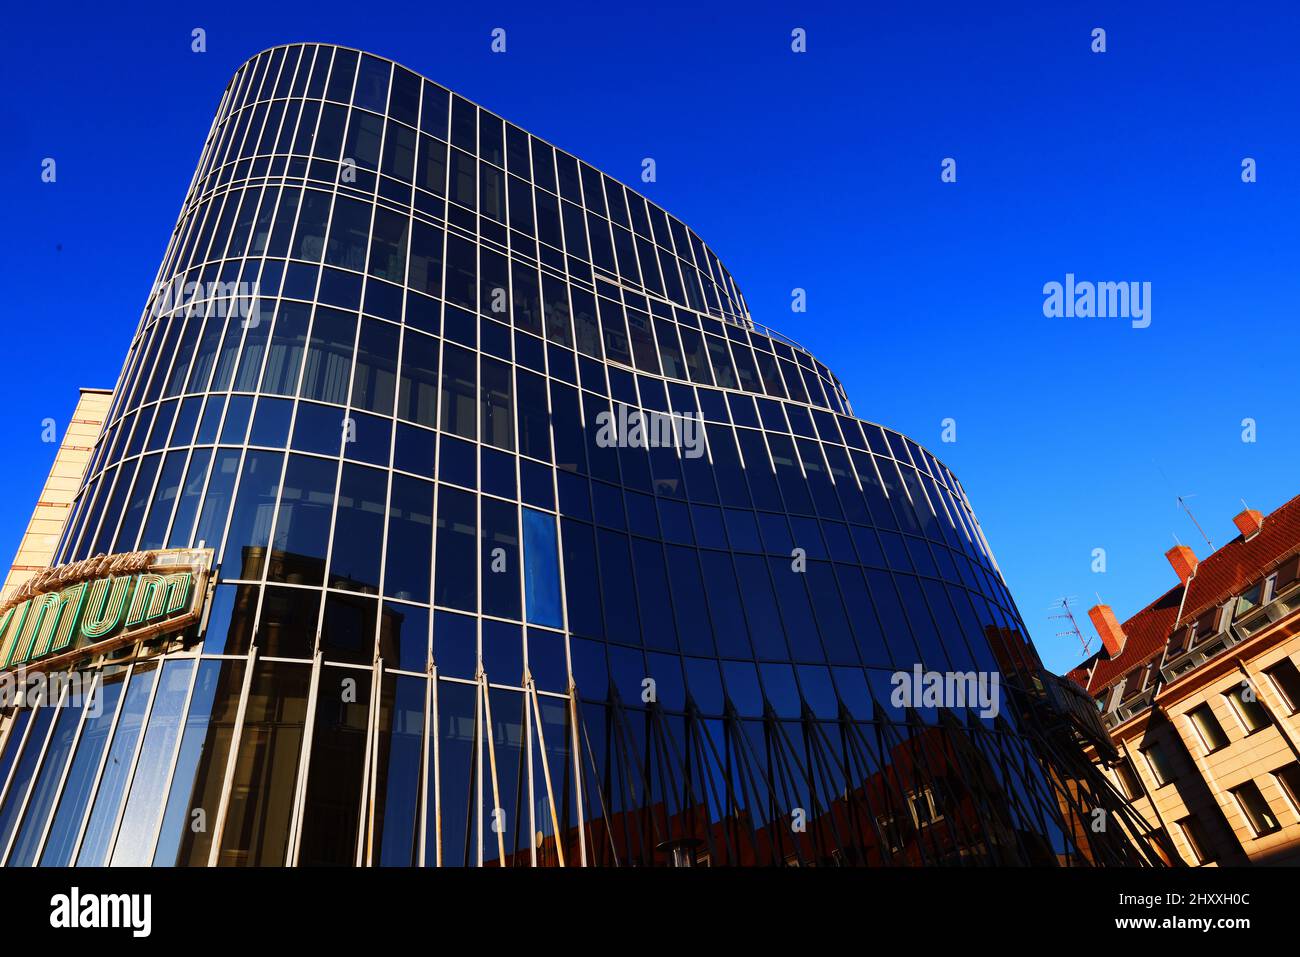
x: 532, y: 547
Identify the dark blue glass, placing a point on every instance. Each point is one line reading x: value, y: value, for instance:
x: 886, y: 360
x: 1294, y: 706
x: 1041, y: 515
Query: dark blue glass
x: 541, y: 570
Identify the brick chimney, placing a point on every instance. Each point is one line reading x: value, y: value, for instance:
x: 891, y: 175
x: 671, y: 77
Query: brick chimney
x: 1249, y: 522
x: 1183, y: 560
x: 1108, y: 628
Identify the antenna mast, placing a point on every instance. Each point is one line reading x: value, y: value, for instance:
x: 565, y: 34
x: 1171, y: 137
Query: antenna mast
x: 1073, y: 630
x: 1182, y: 503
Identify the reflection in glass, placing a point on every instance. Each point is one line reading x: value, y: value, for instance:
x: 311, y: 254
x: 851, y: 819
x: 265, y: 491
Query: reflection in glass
x: 75, y: 795
x: 135, y: 834
x: 332, y: 811
x: 186, y: 833
x: 266, y: 770
x: 44, y: 791
x: 117, y: 767
x: 397, y: 785
x: 458, y: 765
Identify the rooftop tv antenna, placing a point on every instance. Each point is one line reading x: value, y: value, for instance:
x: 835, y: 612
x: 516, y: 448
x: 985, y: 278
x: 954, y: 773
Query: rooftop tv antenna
x: 1073, y: 630
x: 1182, y: 503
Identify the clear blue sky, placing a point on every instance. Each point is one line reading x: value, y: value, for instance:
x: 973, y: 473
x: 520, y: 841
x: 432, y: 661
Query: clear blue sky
x: 818, y: 171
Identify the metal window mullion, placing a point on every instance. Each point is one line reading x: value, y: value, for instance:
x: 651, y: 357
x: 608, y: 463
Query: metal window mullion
x: 266, y: 89
x: 135, y: 761
x: 86, y: 533
x: 96, y: 684
x: 36, y: 774
x: 153, y: 490
x: 579, y: 791
x: 264, y: 576
x: 431, y: 739
x: 243, y: 260
x: 334, y: 512
x: 72, y: 521
x: 496, y: 789
x: 546, y: 773
x: 943, y: 504
x: 203, y: 386
x: 431, y: 718
x: 93, y: 793
x: 5, y: 735
x: 368, y: 797
x: 268, y: 84
x: 214, y: 851
x: 581, y: 737
x: 188, y: 455
x: 263, y: 304
x: 528, y: 780
x: 218, y: 209
x: 289, y: 101
x: 187, y: 230
x: 304, y: 762
x: 182, y: 718
x: 564, y: 619
x: 476, y: 812
x: 219, y: 545
x: 104, y: 526
x: 161, y: 375
x: 252, y: 139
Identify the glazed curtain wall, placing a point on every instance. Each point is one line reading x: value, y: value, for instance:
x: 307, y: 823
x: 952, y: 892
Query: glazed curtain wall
x: 423, y: 547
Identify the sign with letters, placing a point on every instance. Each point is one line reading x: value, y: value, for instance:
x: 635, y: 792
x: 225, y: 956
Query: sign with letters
x: 101, y: 604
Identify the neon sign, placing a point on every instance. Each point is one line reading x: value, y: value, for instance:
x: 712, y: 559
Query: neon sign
x: 101, y: 604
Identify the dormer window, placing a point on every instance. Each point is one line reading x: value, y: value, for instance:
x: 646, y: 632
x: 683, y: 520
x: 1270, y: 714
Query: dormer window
x: 1251, y: 598
x: 1205, y: 627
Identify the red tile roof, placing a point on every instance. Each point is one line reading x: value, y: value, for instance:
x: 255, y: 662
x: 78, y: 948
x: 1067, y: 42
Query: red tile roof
x: 1226, y: 572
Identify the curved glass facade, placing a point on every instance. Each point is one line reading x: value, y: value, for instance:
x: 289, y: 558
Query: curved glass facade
x: 454, y: 624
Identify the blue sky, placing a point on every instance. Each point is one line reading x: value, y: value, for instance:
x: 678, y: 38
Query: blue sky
x: 818, y: 170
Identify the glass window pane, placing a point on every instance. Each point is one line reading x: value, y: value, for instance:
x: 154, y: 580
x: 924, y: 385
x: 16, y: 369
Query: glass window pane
x: 458, y: 746
x: 454, y: 585
x: 108, y: 798
x: 410, y: 539
x: 400, y: 740
x: 459, y: 399
x: 500, y: 557
x: 375, y: 379
x: 185, y: 836
x: 19, y: 783
x: 358, y: 529
x: 417, y: 399
x: 404, y: 636
x: 46, y: 788
x: 302, y: 525
x: 288, y: 342
x: 541, y: 569
x: 332, y: 808
x: 329, y: 357
x: 136, y: 833
x: 250, y: 522
x: 256, y: 829
x: 75, y: 795
x: 348, y: 628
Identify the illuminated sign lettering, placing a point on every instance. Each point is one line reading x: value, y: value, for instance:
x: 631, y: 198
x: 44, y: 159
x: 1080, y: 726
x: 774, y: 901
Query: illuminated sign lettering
x: 100, y: 604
